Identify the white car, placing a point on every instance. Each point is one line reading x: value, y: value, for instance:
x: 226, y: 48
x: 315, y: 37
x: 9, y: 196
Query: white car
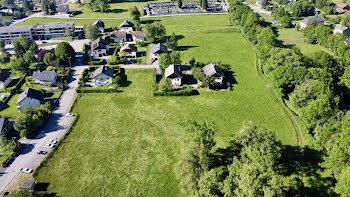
x: 53, y: 141
x: 26, y: 170
x: 49, y: 145
x: 69, y: 115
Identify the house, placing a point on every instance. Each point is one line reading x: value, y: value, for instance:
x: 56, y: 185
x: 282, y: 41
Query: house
x: 138, y: 36
x: 212, y: 70
x: 63, y: 9
x: 100, y: 25
x: 5, y: 78
x: 121, y: 37
x: 30, y: 98
x: 130, y: 51
x: 103, y: 76
x: 158, y: 50
x: 5, y: 126
x: 126, y: 26
x: 45, y: 78
x: 11, y: 8
x: 9, y: 33
x: 342, y: 30
x: 174, y: 74
x: 52, y: 30
x: 342, y: 8
x: 99, y: 47
x: 27, y: 184
x: 308, y: 21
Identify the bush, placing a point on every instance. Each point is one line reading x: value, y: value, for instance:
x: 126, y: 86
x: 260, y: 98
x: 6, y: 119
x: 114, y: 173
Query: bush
x: 80, y: 89
x: 185, y: 91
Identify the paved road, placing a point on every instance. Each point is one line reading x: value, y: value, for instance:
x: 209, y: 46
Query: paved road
x: 55, y: 128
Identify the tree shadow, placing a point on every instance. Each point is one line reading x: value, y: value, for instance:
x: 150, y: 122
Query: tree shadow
x: 116, y: 11
x: 178, y: 37
x: 184, y: 48
x: 149, y: 21
x: 124, y: 79
x: 230, y: 77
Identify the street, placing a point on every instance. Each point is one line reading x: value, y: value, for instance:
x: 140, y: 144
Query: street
x: 54, y: 129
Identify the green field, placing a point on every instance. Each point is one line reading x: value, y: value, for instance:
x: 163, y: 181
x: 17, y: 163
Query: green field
x: 288, y: 34
x: 309, y: 49
x: 10, y: 109
x: 126, y: 144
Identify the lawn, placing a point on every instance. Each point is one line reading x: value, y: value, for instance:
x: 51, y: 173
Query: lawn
x: 126, y: 144
x: 10, y: 109
x: 288, y: 34
x: 309, y: 49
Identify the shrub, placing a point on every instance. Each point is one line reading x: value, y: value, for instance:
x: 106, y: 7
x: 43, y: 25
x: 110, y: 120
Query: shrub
x: 97, y: 62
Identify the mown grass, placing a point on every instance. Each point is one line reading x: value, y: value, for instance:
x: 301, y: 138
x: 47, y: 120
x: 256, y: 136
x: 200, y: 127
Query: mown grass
x: 288, y: 34
x: 10, y: 109
x: 126, y: 144
x: 310, y: 49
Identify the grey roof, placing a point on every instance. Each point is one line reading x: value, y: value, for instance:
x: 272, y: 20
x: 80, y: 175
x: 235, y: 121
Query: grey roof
x: 173, y: 71
x: 3, y: 122
x: 347, y: 41
x: 138, y: 34
x: 159, y: 48
x: 130, y: 47
x: 340, y: 27
x: 99, y: 43
x: 9, y: 29
x: 31, y: 93
x: 54, y: 25
x: 119, y: 34
x: 99, y: 23
x: 126, y: 24
x: 48, y: 76
x: 308, y: 21
x: 105, y: 70
x: 63, y: 8
x: 27, y: 184
x: 212, y: 69
x: 4, y: 74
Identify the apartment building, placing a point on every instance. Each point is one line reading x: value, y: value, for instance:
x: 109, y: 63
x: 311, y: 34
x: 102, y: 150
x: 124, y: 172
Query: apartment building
x: 37, y: 32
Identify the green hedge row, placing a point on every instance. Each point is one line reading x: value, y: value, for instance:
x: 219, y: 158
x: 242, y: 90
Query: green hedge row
x: 95, y: 90
x: 98, y: 62
x: 183, y: 92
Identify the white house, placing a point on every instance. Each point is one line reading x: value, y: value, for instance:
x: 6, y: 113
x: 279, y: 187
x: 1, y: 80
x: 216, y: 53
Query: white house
x: 308, y: 21
x: 103, y: 76
x: 30, y: 98
x: 174, y: 74
x: 5, y: 78
x: 130, y: 51
x: 99, y: 47
x: 212, y: 70
x: 45, y: 78
x: 138, y: 36
x: 342, y: 30
x: 100, y: 25
x: 158, y: 50
x: 122, y: 37
x: 126, y: 26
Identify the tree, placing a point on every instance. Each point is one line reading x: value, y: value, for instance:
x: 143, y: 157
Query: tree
x: 4, y: 58
x: 172, y: 42
x: 51, y: 60
x: 204, y: 4
x: 175, y: 57
x: 286, y: 21
x: 192, y: 62
x: 283, y: 57
x: 345, y: 19
x: 155, y: 31
x: 24, y: 125
x: 6, y: 2
x: 52, y: 6
x: 27, y: 5
x: 67, y: 33
x: 19, y: 64
x: 165, y: 85
x: 21, y: 45
x: 343, y: 185
x: 91, y: 31
x: 179, y: 4
x: 2, y: 46
x: 135, y: 15
x: 164, y: 61
x: 44, y: 7
x: 65, y: 52
x: 99, y: 5
x: 210, y: 184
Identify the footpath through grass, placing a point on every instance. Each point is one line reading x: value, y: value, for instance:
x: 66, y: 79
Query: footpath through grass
x: 126, y: 144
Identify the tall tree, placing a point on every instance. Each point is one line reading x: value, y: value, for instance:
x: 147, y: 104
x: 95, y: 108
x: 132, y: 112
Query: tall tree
x: 172, y: 42
x: 91, y: 31
x: 135, y: 15
x: 44, y: 7
x: 204, y: 4
x: 65, y: 52
x: 155, y: 31
x: 2, y: 46
x: 27, y: 6
x: 179, y: 3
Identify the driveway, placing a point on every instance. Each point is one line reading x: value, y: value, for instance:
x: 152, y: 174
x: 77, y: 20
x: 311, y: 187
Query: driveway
x: 54, y: 129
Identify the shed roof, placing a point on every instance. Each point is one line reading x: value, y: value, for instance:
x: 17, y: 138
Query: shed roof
x: 138, y: 33
x: 119, y: 34
x: 99, y: 23
x: 173, y: 71
x: 126, y: 24
x: 31, y: 93
x: 130, y: 47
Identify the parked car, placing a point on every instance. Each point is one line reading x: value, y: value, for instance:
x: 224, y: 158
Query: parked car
x: 49, y: 145
x: 26, y: 170
x: 69, y: 115
x: 53, y: 141
x: 41, y: 152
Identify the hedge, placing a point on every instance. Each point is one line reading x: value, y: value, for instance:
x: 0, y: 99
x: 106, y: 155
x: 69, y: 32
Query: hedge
x: 183, y: 92
x: 98, y: 62
x: 95, y: 90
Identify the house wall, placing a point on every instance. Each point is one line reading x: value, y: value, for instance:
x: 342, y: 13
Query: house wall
x: 156, y: 56
x: 101, y: 29
x: 102, y: 79
x: 131, y: 55
x: 119, y: 40
x: 46, y: 83
x: 218, y: 79
x: 176, y: 81
x: 100, y: 52
x: 6, y: 83
x: 29, y: 102
x: 126, y: 29
x: 140, y: 39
